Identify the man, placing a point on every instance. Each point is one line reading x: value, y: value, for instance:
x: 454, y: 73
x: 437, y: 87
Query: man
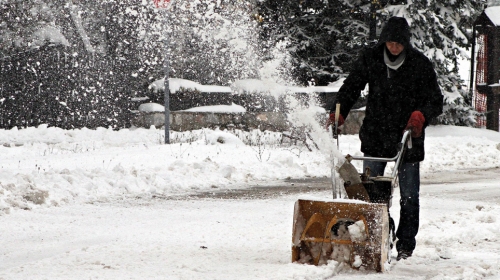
x: 403, y: 94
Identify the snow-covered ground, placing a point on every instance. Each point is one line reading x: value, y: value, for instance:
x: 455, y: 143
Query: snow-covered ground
x: 104, y: 204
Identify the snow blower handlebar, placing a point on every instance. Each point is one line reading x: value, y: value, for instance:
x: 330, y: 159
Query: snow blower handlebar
x: 405, y: 143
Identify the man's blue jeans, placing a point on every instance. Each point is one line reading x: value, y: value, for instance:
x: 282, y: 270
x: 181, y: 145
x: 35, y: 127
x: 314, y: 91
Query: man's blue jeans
x: 409, y: 186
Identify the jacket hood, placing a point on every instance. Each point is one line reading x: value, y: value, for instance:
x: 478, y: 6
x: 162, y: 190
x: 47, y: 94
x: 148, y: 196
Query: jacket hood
x: 396, y: 30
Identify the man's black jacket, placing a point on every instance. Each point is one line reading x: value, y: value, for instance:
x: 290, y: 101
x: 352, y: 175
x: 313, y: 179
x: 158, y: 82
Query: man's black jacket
x: 390, y: 101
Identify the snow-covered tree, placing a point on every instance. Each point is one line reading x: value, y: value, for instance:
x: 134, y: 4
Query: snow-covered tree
x: 27, y: 24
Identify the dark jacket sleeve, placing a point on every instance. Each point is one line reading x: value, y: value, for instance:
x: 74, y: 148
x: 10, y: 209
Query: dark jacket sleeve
x: 353, y: 85
x: 432, y: 103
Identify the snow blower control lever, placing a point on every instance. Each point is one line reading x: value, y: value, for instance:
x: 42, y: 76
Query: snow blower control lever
x: 336, y: 128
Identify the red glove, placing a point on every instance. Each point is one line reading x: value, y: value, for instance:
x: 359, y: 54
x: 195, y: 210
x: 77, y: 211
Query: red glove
x: 416, y: 124
x: 331, y: 120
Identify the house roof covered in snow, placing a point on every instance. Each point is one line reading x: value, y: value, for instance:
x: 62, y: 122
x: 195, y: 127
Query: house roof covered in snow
x: 490, y: 15
x: 493, y: 14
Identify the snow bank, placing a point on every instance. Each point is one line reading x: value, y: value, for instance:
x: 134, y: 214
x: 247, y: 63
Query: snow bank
x: 48, y: 166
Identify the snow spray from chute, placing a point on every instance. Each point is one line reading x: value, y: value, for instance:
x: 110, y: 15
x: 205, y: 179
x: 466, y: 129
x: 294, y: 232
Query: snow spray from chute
x: 300, y: 115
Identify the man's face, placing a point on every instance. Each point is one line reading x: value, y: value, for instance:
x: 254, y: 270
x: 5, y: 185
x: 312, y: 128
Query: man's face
x: 394, y: 47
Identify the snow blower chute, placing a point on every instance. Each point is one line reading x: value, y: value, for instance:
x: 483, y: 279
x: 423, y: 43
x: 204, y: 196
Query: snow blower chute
x: 354, y: 226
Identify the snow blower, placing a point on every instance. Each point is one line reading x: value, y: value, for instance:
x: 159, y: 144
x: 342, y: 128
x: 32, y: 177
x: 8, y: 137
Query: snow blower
x: 353, y: 227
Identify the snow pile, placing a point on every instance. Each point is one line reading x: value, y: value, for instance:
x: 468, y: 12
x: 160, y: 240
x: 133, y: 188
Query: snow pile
x: 175, y: 84
x: 233, y: 108
x: 151, y: 107
x: 53, y: 167
x: 258, y: 86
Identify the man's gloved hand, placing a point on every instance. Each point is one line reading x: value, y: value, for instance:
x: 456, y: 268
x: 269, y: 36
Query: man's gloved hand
x: 331, y: 120
x: 416, y: 124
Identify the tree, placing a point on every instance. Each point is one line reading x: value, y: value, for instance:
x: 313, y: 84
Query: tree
x: 22, y: 24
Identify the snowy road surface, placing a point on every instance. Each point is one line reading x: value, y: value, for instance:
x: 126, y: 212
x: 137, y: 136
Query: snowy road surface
x: 240, y: 238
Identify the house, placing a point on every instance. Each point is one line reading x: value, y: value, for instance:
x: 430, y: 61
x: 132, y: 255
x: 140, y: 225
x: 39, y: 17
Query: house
x: 485, y: 62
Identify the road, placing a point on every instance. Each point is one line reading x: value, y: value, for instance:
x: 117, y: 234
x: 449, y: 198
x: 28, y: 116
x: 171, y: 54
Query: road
x: 467, y: 178
x: 243, y: 234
